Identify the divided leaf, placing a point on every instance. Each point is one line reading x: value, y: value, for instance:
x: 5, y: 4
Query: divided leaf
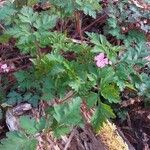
x: 30, y: 125
x: 110, y: 92
x: 69, y: 114
x: 17, y: 141
x: 102, y: 113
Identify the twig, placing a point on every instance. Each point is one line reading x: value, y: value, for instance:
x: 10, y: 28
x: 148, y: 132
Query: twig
x: 1, y: 26
x: 17, y: 58
x: 125, y: 139
x: 70, y: 138
x: 140, y: 4
x: 20, y: 68
x: 90, y: 25
x: 131, y: 102
x: 79, y: 42
x: 97, y: 20
x: 68, y: 96
x: 79, y: 24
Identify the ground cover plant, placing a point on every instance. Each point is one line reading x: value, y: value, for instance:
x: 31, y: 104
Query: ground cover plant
x: 73, y: 62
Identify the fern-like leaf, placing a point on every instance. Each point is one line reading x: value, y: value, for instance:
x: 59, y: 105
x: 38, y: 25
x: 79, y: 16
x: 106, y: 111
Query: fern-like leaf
x: 102, y: 113
x: 17, y: 141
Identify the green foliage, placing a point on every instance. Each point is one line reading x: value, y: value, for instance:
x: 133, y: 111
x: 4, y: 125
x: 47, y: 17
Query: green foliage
x: 102, y: 114
x: 30, y: 126
x: 13, y: 98
x: 125, y: 14
x: 91, y: 99
x: 136, y: 55
x: 26, y: 79
x: 53, y: 74
x: 67, y: 8
x: 17, y: 141
x: 7, y: 12
x: 122, y: 73
x: 23, y: 139
x: 4, y: 38
x: 31, y: 28
x: 134, y: 37
x: 110, y: 92
x: 68, y: 114
x: 144, y: 86
x: 102, y: 45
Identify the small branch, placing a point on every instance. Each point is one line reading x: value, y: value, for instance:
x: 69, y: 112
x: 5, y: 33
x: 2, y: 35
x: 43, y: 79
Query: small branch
x: 96, y: 21
x: 140, y: 4
x: 79, y: 42
x: 90, y: 25
x: 130, y: 102
x: 20, y: 68
x: 69, y: 95
x: 79, y: 24
x: 15, y: 59
x: 2, y: 27
x: 69, y: 139
x: 38, y: 49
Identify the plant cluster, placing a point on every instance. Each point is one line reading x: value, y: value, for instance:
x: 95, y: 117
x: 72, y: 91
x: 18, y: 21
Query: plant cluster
x: 97, y: 74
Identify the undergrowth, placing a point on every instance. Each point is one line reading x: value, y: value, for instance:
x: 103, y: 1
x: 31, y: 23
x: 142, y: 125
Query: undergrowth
x: 96, y: 76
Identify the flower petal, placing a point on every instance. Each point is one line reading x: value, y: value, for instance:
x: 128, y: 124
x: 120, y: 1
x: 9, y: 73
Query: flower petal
x: 99, y: 57
x: 106, y: 61
x: 4, y: 66
x: 100, y: 64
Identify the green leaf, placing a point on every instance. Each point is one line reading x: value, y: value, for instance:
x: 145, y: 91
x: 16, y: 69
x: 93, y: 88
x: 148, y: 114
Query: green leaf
x: 45, y: 22
x: 21, y: 76
x: 14, y: 98
x: 103, y: 45
x: 28, y: 125
x: 60, y: 131
x: 89, y: 7
x: 7, y: 10
x: 31, y: 98
x: 27, y: 79
x: 112, y: 22
x: 69, y: 114
x: 102, y: 113
x: 67, y: 8
x: 4, y: 38
x: 27, y: 15
x: 134, y: 37
x: 106, y: 76
x: 136, y: 55
x: 41, y: 124
x: 110, y: 92
x: 98, y: 39
x: 47, y: 96
x: 91, y: 99
x: 32, y: 2
x: 17, y: 141
x: 48, y: 89
x: 75, y: 85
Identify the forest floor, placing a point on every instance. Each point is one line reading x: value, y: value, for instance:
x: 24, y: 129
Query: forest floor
x: 134, y: 124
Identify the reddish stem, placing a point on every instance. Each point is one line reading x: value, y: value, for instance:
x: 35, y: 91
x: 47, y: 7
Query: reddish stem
x: 101, y: 18
x: 79, y: 24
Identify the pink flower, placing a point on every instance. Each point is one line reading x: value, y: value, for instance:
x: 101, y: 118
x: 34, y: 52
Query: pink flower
x: 4, y: 68
x: 101, y: 60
